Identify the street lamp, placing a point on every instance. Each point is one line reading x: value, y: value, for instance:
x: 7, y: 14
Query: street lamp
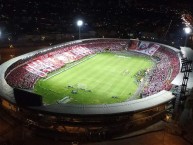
x: 79, y: 24
x: 187, y: 30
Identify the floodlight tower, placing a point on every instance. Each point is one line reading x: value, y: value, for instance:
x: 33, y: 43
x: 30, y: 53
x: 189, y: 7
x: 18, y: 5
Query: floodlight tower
x: 187, y: 30
x: 79, y: 24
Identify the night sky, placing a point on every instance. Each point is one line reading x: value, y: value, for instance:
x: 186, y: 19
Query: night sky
x: 110, y: 18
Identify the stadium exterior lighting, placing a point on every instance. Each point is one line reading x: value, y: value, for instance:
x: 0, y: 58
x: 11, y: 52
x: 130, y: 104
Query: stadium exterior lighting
x: 187, y: 30
x: 79, y: 24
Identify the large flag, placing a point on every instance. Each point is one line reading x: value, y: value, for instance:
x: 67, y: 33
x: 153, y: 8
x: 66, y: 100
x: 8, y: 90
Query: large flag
x: 133, y: 44
x: 153, y: 49
x: 35, y: 71
x: 149, y: 51
x: 143, y: 45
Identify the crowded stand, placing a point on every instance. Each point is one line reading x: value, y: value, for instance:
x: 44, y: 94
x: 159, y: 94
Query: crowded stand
x: 26, y: 72
x: 166, y: 68
x: 163, y: 73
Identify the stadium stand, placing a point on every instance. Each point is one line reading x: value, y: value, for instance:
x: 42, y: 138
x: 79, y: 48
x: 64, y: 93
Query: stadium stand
x: 24, y: 73
x: 164, y: 72
x: 29, y: 70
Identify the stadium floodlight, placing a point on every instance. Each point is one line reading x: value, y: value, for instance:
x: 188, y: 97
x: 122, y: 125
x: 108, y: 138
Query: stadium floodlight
x: 79, y: 24
x: 187, y: 30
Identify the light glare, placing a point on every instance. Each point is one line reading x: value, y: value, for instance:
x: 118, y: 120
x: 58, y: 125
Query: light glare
x: 187, y: 30
x: 79, y: 23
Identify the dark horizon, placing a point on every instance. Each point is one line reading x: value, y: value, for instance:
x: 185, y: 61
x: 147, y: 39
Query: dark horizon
x: 109, y: 18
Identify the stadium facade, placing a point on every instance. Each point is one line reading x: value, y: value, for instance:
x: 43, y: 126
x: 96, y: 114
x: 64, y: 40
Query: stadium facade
x: 91, y: 122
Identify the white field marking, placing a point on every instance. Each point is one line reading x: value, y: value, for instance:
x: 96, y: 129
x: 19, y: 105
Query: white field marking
x: 68, y: 68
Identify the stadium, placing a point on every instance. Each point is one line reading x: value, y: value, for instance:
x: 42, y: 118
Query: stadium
x: 91, y: 89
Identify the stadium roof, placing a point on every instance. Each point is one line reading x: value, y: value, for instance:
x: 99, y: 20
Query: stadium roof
x: 187, y: 52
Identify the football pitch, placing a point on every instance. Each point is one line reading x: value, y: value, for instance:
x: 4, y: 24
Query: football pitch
x: 105, y: 78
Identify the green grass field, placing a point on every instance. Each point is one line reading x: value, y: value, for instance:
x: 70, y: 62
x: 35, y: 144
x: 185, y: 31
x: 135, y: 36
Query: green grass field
x: 103, y: 79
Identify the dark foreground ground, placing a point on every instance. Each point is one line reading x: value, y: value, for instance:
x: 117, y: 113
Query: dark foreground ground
x: 162, y: 133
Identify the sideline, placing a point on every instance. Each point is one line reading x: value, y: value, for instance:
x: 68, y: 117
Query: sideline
x: 75, y: 64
